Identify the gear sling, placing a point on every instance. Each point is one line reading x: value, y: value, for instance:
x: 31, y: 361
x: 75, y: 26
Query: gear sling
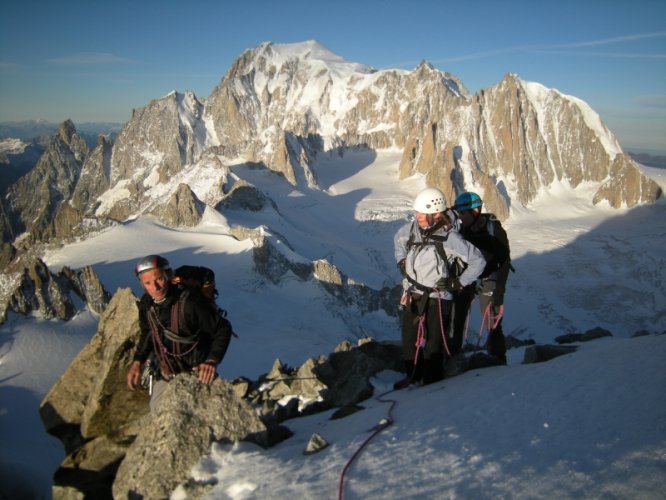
x: 169, y: 362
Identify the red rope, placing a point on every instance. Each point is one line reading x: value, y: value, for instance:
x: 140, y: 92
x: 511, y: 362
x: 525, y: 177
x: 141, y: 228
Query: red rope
x: 379, y: 429
x: 486, y: 316
x: 161, y: 352
x: 441, y: 323
x: 158, y: 347
x: 420, y: 342
x: 420, y: 338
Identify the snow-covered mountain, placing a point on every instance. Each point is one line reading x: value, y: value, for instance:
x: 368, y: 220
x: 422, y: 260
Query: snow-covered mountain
x: 280, y: 106
x: 569, y: 427
x: 305, y: 114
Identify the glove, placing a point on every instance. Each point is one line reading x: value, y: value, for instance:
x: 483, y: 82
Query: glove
x: 450, y: 284
x: 401, y: 267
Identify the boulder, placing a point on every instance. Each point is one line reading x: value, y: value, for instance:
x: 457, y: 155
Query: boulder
x: 91, y: 398
x: 541, y: 353
x: 189, y: 418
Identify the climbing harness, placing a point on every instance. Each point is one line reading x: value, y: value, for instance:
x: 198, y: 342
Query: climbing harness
x: 420, y: 334
x: 157, y: 330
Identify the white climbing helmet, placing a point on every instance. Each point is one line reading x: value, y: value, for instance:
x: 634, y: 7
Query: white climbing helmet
x: 430, y: 201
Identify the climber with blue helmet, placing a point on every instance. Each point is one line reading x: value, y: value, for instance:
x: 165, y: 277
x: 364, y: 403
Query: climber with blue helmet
x: 467, y: 201
x: 485, y: 232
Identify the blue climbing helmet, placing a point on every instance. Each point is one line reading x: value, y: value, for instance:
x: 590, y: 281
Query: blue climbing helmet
x: 467, y: 201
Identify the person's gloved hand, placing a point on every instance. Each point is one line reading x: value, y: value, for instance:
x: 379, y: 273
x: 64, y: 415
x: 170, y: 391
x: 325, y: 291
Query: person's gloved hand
x: 450, y: 284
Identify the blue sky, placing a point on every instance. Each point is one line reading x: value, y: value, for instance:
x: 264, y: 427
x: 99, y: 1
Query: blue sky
x: 96, y: 60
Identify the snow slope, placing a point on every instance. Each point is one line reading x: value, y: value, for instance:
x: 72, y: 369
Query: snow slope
x: 590, y: 424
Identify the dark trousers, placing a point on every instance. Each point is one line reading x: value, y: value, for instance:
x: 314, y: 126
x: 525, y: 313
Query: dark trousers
x: 495, y: 344
x: 435, y: 328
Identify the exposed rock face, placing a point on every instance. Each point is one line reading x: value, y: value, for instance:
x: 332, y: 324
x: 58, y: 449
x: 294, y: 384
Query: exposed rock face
x: 34, y: 199
x: 6, y: 229
x: 79, y: 405
x: 95, y: 176
x: 87, y: 285
x: 169, y: 129
x: 17, y: 157
x: 153, y: 147
x: 625, y: 186
x: 7, y: 254
x: 270, y: 257
x: 76, y: 217
x: 34, y: 288
x: 273, y: 258
x: 189, y: 419
x: 184, y: 209
x: 340, y: 379
x: 39, y: 290
x: 245, y: 196
x: 523, y: 132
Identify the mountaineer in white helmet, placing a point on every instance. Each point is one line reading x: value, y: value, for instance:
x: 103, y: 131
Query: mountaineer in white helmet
x: 430, y: 255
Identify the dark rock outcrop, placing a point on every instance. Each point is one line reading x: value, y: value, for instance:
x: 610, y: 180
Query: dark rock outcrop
x: 32, y: 287
x: 541, y: 353
x: 183, y: 209
x: 33, y: 201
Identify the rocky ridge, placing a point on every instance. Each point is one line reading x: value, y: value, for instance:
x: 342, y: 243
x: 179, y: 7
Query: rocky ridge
x: 113, y: 444
x: 117, y: 449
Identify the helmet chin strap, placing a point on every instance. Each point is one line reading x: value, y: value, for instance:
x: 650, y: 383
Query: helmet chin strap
x: 433, y: 224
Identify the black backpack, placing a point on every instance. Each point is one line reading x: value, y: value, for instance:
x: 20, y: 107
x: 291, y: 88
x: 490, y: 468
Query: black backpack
x: 493, y: 249
x: 203, y: 279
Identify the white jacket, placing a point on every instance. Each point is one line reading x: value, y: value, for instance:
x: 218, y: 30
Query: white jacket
x: 425, y: 265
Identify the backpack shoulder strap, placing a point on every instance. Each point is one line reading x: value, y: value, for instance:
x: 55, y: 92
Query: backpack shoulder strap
x: 490, y: 223
x: 178, y: 311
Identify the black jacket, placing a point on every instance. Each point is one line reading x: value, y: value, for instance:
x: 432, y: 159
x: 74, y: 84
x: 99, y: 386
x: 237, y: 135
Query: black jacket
x: 488, y: 235
x: 205, y: 333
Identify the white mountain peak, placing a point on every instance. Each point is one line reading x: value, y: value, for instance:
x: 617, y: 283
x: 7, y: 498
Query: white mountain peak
x: 315, y: 54
x: 543, y: 97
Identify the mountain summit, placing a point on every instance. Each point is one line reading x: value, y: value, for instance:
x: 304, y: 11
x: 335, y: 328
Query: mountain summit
x: 280, y: 106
